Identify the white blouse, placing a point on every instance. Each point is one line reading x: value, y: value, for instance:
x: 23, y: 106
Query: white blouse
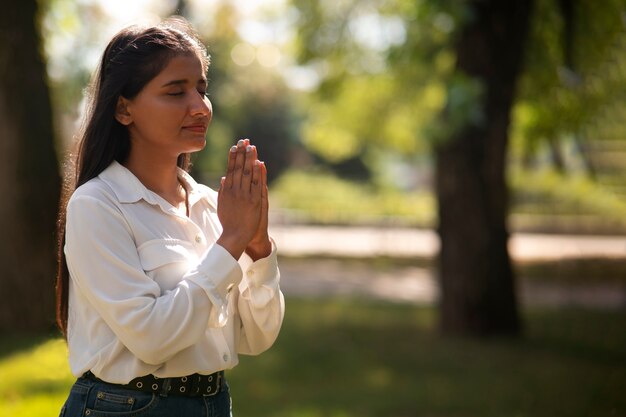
x: 152, y: 293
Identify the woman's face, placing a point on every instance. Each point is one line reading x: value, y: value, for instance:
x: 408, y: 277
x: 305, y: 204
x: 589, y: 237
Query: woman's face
x: 171, y: 113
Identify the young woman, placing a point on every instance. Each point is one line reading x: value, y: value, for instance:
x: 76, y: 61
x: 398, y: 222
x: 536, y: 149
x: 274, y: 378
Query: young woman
x: 162, y: 282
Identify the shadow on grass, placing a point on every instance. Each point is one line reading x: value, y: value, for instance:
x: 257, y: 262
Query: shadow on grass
x: 580, y: 334
x: 349, y: 358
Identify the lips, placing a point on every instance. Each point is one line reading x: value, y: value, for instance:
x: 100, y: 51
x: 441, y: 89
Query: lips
x: 196, y: 127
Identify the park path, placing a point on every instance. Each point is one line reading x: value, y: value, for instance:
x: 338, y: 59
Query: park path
x: 312, y: 264
x: 404, y: 242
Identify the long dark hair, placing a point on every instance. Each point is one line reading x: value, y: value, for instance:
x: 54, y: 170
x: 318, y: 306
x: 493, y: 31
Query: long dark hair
x: 133, y: 57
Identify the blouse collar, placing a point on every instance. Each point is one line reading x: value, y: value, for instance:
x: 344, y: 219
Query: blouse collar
x: 128, y: 188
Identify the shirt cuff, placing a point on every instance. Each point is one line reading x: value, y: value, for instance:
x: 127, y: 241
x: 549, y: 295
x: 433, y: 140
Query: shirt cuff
x: 261, y: 280
x: 217, y: 273
x: 261, y: 271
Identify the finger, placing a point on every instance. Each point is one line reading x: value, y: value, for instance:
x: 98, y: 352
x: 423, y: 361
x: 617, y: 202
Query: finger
x: 248, y: 168
x: 264, y: 185
x: 257, y: 174
x: 264, y: 197
x: 264, y: 170
x: 260, y: 187
x: 220, y: 194
x: 256, y: 177
x: 239, y: 162
x: 232, y: 155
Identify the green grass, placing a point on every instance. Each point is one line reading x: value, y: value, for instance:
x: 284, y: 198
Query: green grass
x: 34, y: 376
x: 362, y: 358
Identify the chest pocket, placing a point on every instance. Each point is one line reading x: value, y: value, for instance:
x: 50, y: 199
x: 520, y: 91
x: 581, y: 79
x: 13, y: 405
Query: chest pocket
x: 167, y: 260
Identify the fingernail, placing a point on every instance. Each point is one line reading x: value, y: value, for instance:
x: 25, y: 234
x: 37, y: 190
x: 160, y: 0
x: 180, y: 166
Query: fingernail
x: 257, y: 163
x: 233, y: 148
x: 248, y: 148
x: 240, y: 142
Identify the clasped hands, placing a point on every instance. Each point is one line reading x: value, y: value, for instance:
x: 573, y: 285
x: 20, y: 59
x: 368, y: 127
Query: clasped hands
x: 242, y: 204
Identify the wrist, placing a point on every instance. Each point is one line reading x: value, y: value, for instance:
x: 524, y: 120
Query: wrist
x: 258, y: 249
x: 232, y: 245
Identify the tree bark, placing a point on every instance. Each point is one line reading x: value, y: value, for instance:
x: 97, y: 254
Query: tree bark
x: 29, y: 177
x: 478, y: 295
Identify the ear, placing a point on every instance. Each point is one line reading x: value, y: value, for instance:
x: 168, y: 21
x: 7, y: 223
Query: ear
x: 122, y: 113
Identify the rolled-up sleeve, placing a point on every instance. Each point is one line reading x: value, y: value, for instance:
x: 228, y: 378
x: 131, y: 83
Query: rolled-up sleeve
x: 261, y: 304
x: 105, y: 266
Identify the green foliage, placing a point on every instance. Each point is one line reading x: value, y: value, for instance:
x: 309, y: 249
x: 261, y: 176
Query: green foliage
x: 383, y: 77
x: 357, y: 358
x: 561, y: 94
x: 541, y: 200
x: 547, y: 192
x: 72, y: 45
x: 370, y: 111
x: 546, y: 200
x: 320, y: 197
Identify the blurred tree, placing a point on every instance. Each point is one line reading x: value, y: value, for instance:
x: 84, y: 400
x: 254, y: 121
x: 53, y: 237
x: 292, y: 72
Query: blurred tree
x: 449, y: 78
x: 29, y: 178
x: 477, y: 281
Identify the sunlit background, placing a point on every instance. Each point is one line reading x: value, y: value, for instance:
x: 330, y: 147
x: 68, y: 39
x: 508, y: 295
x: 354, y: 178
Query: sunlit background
x: 346, y: 116
x: 347, y: 101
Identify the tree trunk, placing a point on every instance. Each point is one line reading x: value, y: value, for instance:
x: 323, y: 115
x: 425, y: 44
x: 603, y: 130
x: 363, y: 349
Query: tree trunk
x: 477, y: 281
x: 29, y: 178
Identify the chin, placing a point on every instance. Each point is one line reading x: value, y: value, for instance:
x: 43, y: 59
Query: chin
x: 195, y: 145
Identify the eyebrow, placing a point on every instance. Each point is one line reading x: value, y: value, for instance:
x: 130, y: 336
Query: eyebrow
x: 184, y: 81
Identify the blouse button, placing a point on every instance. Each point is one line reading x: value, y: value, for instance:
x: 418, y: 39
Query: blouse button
x: 198, y: 238
x: 225, y: 357
x: 250, y: 272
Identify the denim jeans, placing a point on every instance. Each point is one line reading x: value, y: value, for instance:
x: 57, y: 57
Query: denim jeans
x: 90, y: 398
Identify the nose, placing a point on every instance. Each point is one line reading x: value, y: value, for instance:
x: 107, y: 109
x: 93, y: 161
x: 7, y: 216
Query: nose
x: 201, y: 106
